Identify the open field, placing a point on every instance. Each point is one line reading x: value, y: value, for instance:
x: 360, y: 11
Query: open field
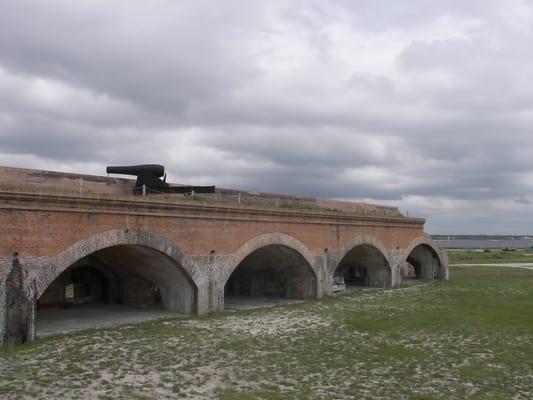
x: 489, y: 257
x: 471, y: 337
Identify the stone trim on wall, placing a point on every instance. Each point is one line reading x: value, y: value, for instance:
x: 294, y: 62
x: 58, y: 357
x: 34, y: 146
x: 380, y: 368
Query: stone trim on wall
x: 117, y: 237
x: 335, y: 257
x: 268, y: 239
x: 441, y: 254
x: 5, y: 268
x: 363, y: 239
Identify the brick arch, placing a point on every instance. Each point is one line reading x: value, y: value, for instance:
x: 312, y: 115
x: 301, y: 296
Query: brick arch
x: 368, y: 240
x: 117, y: 237
x: 360, y: 240
x: 268, y: 239
x: 426, y: 240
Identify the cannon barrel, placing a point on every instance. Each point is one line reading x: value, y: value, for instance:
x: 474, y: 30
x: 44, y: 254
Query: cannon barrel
x: 152, y: 169
x: 148, y: 179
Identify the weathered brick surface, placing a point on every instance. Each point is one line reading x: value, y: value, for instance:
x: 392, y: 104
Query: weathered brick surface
x: 195, y: 229
x: 53, y: 219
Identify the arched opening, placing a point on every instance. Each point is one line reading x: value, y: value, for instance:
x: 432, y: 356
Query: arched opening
x: 364, y: 265
x: 267, y: 276
x: 122, y: 283
x: 81, y: 284
x: 422, y: 263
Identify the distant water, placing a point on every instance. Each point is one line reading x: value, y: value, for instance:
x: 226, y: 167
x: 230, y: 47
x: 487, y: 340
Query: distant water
x: 484, y: 243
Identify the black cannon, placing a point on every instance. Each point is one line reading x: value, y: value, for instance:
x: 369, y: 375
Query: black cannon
x: 148, y: 179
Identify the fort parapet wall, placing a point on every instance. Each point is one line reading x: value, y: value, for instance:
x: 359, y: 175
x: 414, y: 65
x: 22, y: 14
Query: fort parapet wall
x: 196, y: 249
x: 50, y: 182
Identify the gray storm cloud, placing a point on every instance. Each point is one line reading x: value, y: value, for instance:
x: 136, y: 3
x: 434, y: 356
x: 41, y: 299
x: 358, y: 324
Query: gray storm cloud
x: 424, y: 105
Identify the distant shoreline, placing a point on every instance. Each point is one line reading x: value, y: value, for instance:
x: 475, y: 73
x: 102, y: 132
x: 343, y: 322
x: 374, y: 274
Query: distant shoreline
x: 482, y: 237
x: 486, y: 242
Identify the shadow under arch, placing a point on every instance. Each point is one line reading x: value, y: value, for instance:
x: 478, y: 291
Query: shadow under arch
x: 139, y: 259
x: 362, y: 261
x: 428, y: 261
x: 271, y: 265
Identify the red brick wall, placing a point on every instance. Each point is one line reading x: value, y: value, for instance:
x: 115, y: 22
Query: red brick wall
x: 42, y: 228
x: 47, y: 223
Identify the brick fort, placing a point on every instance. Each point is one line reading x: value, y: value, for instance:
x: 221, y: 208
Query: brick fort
x: 71, y: 240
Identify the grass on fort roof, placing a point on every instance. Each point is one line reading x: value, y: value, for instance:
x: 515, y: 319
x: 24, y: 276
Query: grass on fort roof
x: 469, y: 338
x: 207, y: 200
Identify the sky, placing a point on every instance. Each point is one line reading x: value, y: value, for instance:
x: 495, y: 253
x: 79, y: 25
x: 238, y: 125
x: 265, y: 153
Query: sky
x: 419, y: 104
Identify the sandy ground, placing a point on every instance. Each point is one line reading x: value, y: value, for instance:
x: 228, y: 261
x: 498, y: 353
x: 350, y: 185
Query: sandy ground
x: 352, y: 347
x: 247, y: 303
x: 55, y: 320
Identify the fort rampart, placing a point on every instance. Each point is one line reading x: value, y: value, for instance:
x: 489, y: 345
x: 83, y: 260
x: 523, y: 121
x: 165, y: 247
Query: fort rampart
x: 194, y: 250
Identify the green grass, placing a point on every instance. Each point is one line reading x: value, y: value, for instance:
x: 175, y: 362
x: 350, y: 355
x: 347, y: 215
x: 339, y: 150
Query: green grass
x: 469, y: 338
x: 490, y: 257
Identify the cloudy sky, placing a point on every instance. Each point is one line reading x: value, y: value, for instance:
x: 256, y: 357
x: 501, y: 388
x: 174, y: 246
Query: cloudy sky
x: 427, y: 105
